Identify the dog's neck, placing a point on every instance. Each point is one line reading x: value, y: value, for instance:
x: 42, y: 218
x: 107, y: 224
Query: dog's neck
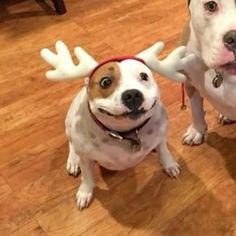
x: 131, y: 135
x: 193, y: 44
x: 193, y: 41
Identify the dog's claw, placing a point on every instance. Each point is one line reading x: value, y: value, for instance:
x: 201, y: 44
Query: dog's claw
x: 224, y: 120
x: 173, y: 170
x: 193, y: 137
x: 73, y: 167
x: 83, y: 199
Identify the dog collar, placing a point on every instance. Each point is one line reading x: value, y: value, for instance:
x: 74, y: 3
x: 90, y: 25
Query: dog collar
x: 116, y: 59
x: 135, y: 142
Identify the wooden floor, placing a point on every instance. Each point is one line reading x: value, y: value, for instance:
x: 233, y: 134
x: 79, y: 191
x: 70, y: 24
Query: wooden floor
x: 37, y: 195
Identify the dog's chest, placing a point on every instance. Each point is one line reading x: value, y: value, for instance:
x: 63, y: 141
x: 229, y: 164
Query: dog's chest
x: 222, y: 98
x: 122, y: 154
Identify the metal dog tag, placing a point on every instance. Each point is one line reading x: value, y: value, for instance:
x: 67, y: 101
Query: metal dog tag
x: 136, y: 145
x: 115, y: 135
x: 136, y: 142
x: 218, y: 79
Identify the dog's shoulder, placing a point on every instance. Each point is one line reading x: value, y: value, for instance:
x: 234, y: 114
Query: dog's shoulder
x: 77, y: 104
x: 76, y: 112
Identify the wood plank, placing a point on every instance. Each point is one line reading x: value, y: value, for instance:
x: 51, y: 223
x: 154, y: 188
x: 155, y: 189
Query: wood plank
x: 13, y: 215
x: 217, y: 210
x: 5, y: 189
x: 32, y: 228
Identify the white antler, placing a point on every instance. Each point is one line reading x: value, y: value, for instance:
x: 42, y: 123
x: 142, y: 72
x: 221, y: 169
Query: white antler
x: 64, y: 65
x: 169, y: 67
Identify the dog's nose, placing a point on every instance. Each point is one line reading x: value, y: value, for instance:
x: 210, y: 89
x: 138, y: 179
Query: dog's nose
x: 132, y: 98
x: 230, y: 40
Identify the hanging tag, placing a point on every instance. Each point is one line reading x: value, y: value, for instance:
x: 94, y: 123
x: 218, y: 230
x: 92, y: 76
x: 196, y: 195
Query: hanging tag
x: 115, y: 135
x: 136, y: 142
x: 218, y: 79
x: 136, y: 145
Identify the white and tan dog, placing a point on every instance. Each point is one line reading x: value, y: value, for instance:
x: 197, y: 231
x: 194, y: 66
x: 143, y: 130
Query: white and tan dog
x: 117, y: 118
x: 211, y: 35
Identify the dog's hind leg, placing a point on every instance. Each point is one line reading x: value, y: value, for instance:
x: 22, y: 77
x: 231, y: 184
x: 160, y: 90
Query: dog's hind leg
x: 196, y: 131
x: 170, y: 166
x: 73, y: 161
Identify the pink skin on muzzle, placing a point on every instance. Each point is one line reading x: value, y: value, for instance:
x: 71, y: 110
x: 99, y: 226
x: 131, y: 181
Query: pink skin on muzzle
x: 224, y: 61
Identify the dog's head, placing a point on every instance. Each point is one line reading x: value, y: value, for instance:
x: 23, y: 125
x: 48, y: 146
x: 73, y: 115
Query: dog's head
x: 122, y: 91
x: 213, y: 26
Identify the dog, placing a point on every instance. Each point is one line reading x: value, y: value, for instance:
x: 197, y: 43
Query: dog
x: 117, y: 118
x: 211, y: 35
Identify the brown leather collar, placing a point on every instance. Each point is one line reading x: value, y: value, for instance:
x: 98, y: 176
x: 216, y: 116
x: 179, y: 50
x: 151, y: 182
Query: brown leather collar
x: 135, y: 142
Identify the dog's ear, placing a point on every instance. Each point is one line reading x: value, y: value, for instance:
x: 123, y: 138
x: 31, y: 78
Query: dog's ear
x: 64, y: 65
x: 172, y: 65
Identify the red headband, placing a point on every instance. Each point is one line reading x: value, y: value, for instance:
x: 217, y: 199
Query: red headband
x: 118, y: 59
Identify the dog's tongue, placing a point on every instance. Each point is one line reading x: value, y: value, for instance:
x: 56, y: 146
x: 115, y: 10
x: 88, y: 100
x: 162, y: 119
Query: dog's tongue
x: 135, y: 114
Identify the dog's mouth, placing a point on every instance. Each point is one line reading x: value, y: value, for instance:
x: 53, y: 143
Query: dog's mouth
x: 229, y: 67
x: 134, y: 114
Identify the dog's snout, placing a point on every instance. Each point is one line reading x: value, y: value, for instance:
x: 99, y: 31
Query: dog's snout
x: 230, y: 40
x: 132, y: 98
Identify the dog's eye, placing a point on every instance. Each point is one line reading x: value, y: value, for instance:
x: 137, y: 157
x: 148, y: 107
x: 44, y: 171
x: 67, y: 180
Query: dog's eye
x: 211, y: 6
x: 144, y: 76
x: 105, y: 82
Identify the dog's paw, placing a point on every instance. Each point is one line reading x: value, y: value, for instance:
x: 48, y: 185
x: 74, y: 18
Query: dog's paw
x: 193, y: 137
x: 223, y: 120
x: 72, y: 166
x: 172, y: 169
x: 83, y: 197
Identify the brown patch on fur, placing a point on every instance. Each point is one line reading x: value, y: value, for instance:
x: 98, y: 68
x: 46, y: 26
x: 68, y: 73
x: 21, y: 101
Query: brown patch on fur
x: 185, y: 35
x: 110, y: 69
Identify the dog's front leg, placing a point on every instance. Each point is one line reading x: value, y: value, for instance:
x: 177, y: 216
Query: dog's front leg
x: 196, y: 131
x: 85, y: 192
x: 73, y: 161
x: 170, y: 166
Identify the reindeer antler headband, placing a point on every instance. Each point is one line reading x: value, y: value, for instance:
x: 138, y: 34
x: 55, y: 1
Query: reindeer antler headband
x: 66, y: 69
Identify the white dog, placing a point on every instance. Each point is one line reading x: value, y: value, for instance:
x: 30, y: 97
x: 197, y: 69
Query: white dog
x: 211, y: 35
x: 117, y: 118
